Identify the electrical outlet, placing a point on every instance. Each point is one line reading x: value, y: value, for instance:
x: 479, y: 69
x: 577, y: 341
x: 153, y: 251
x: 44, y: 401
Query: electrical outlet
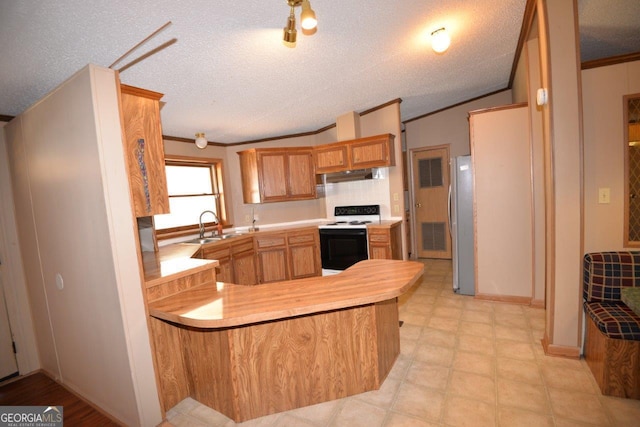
x: 247, y: 218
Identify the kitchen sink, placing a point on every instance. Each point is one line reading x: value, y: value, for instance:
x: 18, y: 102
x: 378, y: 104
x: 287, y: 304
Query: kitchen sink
x: 206, y: 240
x: 229, y: 236
x: 203, y: 240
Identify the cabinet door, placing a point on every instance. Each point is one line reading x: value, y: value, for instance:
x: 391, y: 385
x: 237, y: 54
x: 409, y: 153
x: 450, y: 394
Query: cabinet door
x: 379, y: 243
x: 273, y: 172
x: 273, y: 265
x: 372, y: 152
x: 379, y: 252
x: 303, y: 261
x: 304, y: 253
x: 331, y: 158
x: 222, y: 253
x: 244, y: 268
x: 243, y: 258
x: 272, y: 257
x: 144, y: 150
x: 302, y: 176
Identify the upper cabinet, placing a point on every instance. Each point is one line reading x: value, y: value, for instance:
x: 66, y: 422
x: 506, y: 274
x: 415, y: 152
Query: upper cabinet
x: 277, y: 174
x: 373, y: 151
x: 144, y: 150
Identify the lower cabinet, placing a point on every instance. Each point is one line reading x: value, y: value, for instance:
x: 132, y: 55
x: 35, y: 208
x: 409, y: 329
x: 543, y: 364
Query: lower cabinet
x: 385, y: 242
x: 221, y: 252
x: 272, y: 257
x: 267, y: 257
x: 243, y: 260
x: 304, y: 256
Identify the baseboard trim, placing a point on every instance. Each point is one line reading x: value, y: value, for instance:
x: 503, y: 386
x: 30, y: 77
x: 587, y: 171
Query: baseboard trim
x: 538, y: 303
x: 504, y: 298
x: 559, y: 350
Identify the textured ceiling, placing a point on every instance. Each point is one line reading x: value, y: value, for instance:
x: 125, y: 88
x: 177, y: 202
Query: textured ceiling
x: 229, y: 75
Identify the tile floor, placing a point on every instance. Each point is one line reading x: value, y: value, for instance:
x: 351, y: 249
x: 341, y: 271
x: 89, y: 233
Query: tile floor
x: 463, y: 362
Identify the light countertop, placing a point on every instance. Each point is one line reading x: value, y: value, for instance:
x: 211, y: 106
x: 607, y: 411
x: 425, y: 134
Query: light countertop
x: 226, y: 304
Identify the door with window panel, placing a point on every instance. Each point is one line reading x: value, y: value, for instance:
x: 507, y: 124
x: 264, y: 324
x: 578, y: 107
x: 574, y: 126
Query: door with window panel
x: 431, y: 201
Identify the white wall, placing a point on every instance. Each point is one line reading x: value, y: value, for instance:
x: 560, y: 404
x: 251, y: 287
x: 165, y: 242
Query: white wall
x: 450, y: 126
x: 78, y: 246
x: 12, y: 277
x: 602, y: 107
x: 502, y: 203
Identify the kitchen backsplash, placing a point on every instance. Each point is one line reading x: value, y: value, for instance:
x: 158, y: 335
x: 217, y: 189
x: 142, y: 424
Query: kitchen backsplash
x: 366, y: 192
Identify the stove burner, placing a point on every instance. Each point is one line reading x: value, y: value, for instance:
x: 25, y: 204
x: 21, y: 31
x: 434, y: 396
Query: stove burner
x: 359, y: 222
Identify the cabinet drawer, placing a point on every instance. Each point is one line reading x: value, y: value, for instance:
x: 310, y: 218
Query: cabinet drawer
x: 242, y: 246
x: 216, y: 252
x: 298, y: 239
x: 379, y: 237
x: 270, y: 241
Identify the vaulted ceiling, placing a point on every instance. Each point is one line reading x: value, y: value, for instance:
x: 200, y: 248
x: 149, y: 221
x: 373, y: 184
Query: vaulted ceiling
x: 225, y: 71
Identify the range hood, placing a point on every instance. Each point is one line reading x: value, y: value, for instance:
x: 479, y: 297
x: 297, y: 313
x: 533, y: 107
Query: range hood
x: 353, y: 175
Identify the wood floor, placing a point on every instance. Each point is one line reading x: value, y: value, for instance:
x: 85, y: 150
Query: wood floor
x: 40, y: 390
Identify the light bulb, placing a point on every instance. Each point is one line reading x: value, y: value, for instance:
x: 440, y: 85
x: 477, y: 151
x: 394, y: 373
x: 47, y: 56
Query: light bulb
x: 440, y: 40
x: 308, y: 19
x: 201, y: 141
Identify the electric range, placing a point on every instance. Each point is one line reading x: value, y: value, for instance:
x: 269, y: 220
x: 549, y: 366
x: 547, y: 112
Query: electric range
x: 343, y: 242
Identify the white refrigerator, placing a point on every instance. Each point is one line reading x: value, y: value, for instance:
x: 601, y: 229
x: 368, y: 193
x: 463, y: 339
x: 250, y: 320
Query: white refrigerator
x: 461, y: 222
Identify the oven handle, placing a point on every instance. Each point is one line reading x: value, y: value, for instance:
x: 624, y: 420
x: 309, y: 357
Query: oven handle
x: 343, y: 232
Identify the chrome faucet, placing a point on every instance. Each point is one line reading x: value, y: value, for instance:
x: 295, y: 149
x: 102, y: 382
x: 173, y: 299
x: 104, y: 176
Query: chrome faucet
x: 217, y: 221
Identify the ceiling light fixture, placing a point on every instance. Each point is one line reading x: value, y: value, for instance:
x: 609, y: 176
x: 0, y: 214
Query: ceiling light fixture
x: 440, y: 40
x: 201, y: 141
x: 308, y: 21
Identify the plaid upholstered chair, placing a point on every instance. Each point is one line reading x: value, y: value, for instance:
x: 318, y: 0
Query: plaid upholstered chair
x: 612, y: 343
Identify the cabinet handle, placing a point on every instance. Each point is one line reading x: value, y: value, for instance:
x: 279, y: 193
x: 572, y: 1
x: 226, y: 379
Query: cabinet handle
x: 418, y: 205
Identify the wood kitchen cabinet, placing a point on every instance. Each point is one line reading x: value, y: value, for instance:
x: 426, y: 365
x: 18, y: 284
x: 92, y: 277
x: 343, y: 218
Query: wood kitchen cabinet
x: 272, y: 257
x: 289, y: 255
x: 144, y: 150
x: 332, y: 158
x: 277, y: 174
x: 385, y: 242
x: 222, y: 253
x: 243, y: 259
x: 237, y: 261
x: 304, y: 253
x: 373, y: 151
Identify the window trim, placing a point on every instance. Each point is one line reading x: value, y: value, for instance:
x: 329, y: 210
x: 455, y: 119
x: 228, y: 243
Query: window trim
x: 217, y: 175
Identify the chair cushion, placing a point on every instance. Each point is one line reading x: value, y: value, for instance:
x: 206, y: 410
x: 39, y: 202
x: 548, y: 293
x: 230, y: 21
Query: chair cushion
x: 615, y: 320
x: 606, y: 273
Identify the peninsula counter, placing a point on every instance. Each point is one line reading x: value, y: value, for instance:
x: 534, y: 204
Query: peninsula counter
x: 250, y: 351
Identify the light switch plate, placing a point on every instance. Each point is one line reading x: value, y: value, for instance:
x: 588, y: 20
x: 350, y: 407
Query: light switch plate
x: 604, y: 195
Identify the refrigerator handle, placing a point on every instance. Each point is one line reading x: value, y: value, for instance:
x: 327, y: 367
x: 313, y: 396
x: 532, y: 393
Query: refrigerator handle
x: 449, y: 210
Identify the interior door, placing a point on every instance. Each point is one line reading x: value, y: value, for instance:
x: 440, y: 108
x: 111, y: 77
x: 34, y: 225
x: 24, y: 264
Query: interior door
x: 8, y: 364
x: 430, y: 167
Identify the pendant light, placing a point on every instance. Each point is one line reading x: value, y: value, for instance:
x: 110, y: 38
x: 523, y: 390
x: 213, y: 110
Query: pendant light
x: 308, y: 22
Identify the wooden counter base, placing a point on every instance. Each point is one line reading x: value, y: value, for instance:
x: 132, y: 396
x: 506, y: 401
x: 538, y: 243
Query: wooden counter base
x: 296, y: 356
x: 256, y: 370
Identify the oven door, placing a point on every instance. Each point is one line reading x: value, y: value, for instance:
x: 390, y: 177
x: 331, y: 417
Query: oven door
x: 340, y: 248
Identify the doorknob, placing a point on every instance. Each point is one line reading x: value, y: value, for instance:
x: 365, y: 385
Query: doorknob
x: 418, y: 205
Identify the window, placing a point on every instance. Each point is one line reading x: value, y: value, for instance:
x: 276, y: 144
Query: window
x: 194, y: 186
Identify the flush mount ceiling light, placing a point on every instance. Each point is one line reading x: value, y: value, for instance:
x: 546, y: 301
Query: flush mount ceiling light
x: 308, y: 21
x: 201, y: 141
x: 440, y: 40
